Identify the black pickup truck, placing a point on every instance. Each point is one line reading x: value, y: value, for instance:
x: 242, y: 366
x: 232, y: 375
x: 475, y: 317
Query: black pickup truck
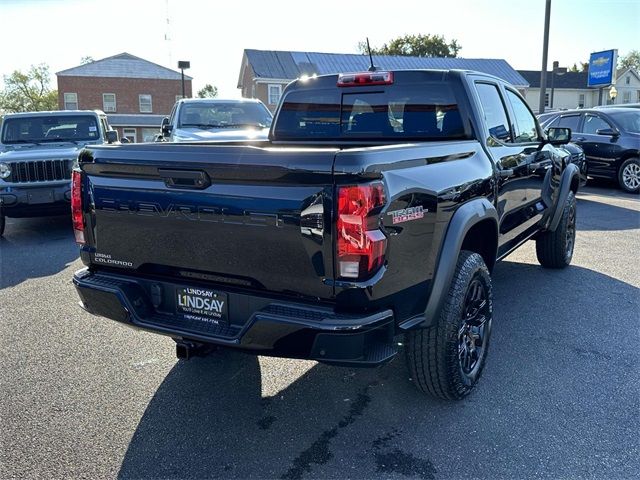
x: 378, y: 207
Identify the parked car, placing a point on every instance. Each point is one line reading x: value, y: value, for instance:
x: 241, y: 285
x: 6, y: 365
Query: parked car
x: 620, y: 105
x: 610, y: 138
x: 206, y: 119
x: 37, y: 154
x: 378, y: 207
x: 576, y: 153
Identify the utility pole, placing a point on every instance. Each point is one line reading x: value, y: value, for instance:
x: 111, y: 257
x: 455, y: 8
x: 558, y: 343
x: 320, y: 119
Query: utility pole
x: 545, y: 50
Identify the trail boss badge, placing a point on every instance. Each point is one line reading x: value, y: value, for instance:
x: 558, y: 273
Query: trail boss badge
x: 407, y: 214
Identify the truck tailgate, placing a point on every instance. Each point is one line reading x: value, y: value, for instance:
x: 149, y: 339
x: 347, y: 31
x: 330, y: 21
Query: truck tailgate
x: 238, y: 215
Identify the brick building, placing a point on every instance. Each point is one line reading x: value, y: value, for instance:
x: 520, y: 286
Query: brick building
x: 134, y: 93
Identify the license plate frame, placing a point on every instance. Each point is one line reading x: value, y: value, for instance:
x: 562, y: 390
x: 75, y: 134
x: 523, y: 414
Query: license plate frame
x: 202, y: 304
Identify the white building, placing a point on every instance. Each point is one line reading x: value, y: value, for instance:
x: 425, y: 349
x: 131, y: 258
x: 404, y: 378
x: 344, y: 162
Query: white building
x: 569, y: 90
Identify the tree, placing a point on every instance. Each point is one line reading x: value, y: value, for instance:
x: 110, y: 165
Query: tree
x: 630, y: 60
x: 416, y: 46
x: 584, y: 67
x: 29, y: 92
x: 208, y: 91
x: 86, y: 59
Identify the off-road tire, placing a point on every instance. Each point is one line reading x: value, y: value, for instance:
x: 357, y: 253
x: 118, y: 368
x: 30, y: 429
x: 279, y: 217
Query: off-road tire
x: 629, y: 175
x: 434, y: 353
x: 555, y: 249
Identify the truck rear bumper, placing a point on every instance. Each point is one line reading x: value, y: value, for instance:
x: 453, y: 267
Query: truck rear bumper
x: 256, y: 324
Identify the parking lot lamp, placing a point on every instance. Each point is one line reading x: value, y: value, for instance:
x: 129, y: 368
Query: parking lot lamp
x: 559, y: 71
x: 613, y: 93
x: 183, y: 65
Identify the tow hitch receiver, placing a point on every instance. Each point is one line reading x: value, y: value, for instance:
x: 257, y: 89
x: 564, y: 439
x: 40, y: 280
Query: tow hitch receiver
x: 187, y: 350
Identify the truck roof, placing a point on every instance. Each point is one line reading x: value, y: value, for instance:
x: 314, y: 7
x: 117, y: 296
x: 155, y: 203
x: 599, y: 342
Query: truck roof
x: 49, y: 113
x: 219, y: 100
x: 454, y: 71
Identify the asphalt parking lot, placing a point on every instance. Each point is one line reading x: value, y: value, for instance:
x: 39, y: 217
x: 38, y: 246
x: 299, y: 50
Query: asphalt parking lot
x: 82, y: 397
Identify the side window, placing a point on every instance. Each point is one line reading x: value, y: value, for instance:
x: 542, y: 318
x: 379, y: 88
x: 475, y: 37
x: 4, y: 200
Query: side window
x: 554, y: 123
x: 525, y: 122
x: 569, y: 121
x: 494, y: 113
x: 105, y: 127
x: 173, y: 114
x: 593, y: 123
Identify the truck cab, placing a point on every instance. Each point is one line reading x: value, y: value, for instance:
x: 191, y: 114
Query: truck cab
x: 37, y: 153
x: 215, y: 119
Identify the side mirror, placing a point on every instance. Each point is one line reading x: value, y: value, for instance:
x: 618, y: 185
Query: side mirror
x: 558, y: 135
x: 166, y: 127
x: 112, y: 136
x: 607, y: 131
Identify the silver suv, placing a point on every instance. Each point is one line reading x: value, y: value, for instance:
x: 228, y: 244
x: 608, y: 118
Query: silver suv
x: 37, y: 154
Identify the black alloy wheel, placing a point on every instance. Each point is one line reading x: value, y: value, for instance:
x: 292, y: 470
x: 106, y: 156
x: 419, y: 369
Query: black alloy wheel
x: 571, y: 230
x: 472, y: 340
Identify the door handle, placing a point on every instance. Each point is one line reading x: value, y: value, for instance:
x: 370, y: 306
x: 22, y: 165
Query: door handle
x: 580, y: 139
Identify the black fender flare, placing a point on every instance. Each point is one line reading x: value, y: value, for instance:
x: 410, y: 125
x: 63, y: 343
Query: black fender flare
x: 465, y: 217
x: 570, y: 172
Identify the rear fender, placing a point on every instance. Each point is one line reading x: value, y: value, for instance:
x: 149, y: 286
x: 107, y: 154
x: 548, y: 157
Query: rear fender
x: 465, y: 217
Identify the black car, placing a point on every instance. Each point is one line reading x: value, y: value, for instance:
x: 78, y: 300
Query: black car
x: 576, y: 156
x: 610, y: 139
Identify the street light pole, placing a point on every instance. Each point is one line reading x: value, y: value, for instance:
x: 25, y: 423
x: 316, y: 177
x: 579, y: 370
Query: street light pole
x: 545, y: 49
x: 553, y: 78
x: 182, y: 65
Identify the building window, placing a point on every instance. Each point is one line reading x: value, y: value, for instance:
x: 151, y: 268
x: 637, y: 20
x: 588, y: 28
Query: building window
x: 581, y: 100
x: 628, y: 79
x: 145, y: 103
x: 109, y: 102
x: 626, y: 97
x: 71, y: 101
x: 130, y: 133
x: 274, y: 94
x: 637, y: 95
x: 546, y: 99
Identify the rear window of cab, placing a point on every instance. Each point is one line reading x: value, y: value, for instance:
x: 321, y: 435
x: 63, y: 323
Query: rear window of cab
x: 426, y: 110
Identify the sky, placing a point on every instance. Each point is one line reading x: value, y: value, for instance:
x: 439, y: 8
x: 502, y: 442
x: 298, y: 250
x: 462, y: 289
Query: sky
x: 212, y: 34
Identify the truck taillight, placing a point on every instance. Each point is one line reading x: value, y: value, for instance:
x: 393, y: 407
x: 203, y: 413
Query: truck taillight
x: 76, y: 206
x: 361, y: 244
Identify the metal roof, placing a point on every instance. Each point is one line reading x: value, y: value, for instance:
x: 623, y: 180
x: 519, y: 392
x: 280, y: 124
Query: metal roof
x: 123, y: 65
x: 134, y: 120
x: 291, y: 65
x: 566, y: 80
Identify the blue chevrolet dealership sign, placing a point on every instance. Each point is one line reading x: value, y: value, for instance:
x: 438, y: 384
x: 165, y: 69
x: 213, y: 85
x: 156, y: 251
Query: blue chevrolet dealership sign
x: 601, y: 68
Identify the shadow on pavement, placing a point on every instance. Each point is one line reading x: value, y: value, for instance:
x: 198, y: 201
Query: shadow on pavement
x: 208, y: 419
x: 543, y: 386
x: 35, y: 247
x: 599, y: 215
